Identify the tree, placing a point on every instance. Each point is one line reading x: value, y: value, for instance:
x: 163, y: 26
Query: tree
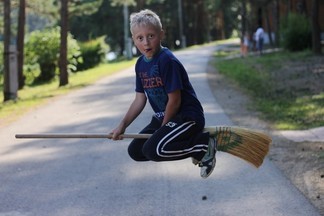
x: 127, y: 39
x: 244, y: 18
x: 83, y: 7
x: 41, y: 14
x: 277, y: 22
x: 180, y: 17
x: 268, y: 25
x: 64, y: 14
x: 9, y: 90
x: 20, y: 42
x: 64, y: 80
x: 225, y: 17
x: 316, y: 39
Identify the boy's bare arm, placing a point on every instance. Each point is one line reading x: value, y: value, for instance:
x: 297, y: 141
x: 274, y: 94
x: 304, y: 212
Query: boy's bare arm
x: 172, y: 106
x: 133, y: 111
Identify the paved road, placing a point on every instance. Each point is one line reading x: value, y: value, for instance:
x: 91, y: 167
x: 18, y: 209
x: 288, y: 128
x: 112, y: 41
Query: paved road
x: 96, y: 177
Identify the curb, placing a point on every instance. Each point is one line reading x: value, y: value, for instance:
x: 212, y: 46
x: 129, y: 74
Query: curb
x: 312, y: 135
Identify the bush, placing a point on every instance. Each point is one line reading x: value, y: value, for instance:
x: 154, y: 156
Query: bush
x: 43, y: 48
x: 92, y: 53
x: 1, y: 64
x: 296, y: 32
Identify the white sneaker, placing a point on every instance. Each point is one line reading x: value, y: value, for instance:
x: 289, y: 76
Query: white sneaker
x: 208, y: 162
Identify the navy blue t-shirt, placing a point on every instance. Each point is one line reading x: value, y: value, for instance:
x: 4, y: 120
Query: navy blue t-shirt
x: 164, y: 74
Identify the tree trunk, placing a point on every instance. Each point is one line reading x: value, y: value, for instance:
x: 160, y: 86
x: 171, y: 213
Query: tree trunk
x: 180, y: 17
x: 316, y: 40
x: 9, y: 90
x: 277, y: 23
x: 243, y: 30
x: 268, y: 26
x: 302, y: 7
x: 20, y: 42
x: 63, y: 45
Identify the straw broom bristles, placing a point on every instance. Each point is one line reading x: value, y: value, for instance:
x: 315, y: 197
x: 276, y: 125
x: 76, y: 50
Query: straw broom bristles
x: 249, y: 145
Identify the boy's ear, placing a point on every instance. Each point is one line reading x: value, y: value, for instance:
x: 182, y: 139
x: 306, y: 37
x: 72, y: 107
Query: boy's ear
x: 162, y: 34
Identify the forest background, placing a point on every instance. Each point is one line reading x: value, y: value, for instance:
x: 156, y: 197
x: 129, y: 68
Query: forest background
x: 57, y: 37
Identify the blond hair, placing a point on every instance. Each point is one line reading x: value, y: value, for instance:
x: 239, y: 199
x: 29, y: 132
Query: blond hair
x: 145, y: 17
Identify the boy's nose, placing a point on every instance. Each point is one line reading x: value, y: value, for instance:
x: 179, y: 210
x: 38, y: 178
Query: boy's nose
x: 146, y: 41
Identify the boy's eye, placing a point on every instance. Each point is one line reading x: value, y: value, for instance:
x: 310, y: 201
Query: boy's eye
x: 149, y: 37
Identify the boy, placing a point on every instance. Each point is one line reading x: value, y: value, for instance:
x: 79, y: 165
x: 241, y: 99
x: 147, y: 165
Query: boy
x: 178, y: 122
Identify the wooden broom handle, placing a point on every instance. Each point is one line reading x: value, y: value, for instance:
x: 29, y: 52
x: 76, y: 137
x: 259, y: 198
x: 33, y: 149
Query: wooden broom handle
x: 90, y: 135
x: 81, y: 136
x: 211, y: 129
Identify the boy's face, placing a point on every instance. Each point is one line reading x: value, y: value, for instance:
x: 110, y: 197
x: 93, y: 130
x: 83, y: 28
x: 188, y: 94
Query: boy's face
x: 147, y: 39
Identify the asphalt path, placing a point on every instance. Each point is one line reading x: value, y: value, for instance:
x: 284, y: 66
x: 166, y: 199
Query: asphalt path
x: 67, y: 177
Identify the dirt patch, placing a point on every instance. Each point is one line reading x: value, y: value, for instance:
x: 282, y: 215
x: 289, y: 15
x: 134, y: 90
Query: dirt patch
x: 302, y: 163
x: 299, y: 78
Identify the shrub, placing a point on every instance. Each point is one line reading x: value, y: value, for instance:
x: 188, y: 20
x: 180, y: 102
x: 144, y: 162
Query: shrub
x: 296, y: 32
x: 43, y: 48
x: 92, y: 53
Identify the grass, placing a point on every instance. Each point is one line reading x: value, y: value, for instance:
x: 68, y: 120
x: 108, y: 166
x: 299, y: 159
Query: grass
x: 32, y: 96
x: 287, y: 106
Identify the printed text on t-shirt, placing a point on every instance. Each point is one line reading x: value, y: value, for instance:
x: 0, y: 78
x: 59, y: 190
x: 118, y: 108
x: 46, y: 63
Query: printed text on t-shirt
x: 150, y: 82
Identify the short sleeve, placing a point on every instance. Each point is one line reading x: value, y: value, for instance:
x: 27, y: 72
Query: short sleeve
x: 138, y: 85
x: 171, y: 75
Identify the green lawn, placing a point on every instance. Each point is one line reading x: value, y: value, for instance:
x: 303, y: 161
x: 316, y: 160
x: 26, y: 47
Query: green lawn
x: 282, y: 85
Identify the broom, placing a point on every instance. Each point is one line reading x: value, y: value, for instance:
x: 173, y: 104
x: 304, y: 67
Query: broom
x: 249, y: 145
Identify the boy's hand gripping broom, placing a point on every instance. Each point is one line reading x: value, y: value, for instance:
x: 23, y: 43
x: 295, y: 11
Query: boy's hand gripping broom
x: 249, y: 145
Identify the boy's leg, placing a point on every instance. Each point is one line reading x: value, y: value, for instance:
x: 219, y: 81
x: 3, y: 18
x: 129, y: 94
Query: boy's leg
x: 177, y: 140
x: 180, y: 139
x: 136, y: 146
